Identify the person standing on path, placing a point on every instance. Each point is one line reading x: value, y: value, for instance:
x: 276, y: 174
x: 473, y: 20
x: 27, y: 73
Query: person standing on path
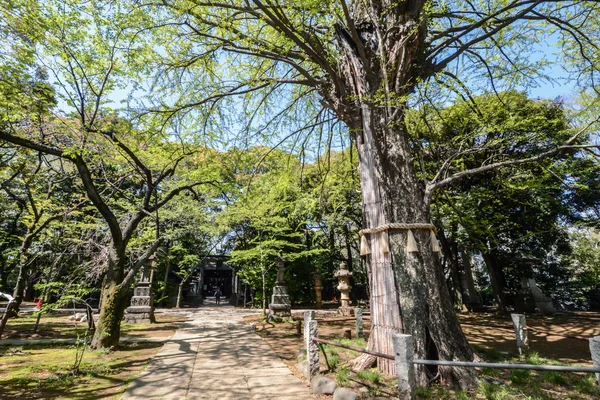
x: 217, y: 295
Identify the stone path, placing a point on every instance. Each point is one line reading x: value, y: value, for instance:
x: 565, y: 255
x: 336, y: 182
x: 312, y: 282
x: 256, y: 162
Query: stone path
x: 216, y: 356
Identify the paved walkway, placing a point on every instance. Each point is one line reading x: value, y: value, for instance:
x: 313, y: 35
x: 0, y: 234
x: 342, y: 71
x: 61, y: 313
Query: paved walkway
x: 216, y: 356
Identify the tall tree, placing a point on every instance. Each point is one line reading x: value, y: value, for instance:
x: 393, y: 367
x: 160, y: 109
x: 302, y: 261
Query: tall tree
x: 363, y: 63
x: 126, y: 166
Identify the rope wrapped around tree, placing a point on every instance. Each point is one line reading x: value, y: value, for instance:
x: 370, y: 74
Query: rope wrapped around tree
x: 411, y: 243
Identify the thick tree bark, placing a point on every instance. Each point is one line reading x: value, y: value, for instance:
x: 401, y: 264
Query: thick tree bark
x: 108, y: 329
x: 408, y: 290
x: 113, y: 301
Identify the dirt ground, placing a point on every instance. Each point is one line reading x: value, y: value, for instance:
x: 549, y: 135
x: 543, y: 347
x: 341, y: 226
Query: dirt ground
x: 284, y: 340
x: 287, y: 343
x: 567, y: 350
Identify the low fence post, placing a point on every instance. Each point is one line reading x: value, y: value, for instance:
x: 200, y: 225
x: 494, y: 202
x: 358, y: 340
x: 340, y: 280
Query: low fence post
x: 520, y: 324
x: 595, y: 350
x: 308, y: 316
x: 359, y: 322
x: 312, y: 350
x: 404, y: 352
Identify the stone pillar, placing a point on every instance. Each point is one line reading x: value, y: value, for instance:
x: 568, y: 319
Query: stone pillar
x: 595, y: 351
x: 308, y: 316
x: 359, y: 322
x: 318, y: 289
x: 404, y: 352
x: 542, y: 302
x: 280, y: 301
x: 519, y: 324
x: 312, y: 350
x: 141, y: 309
x: 344, y: 287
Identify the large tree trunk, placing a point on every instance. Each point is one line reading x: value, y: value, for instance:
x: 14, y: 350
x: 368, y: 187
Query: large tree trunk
x: 113, y: 302
x: 408, y: 290
x: 108, y: 329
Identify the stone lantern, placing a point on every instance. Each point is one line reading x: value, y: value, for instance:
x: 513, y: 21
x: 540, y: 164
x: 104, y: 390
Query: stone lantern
x: 318, y: 288
x: 344, y: 287
x: 280, y: 301
x: 141, y: 309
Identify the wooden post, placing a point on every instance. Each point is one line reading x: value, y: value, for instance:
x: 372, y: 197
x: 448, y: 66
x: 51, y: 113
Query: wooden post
x: 359, y: 322
x: 520, y: 324
x: 595, y: 350
x: 403, y: 354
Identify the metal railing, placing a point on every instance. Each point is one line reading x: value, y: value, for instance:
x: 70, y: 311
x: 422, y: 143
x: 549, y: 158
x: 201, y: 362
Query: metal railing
x: 403, y: 358
x: 465, y: 364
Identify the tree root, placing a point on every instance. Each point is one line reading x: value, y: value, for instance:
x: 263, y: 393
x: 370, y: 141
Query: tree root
x: 363, y: 362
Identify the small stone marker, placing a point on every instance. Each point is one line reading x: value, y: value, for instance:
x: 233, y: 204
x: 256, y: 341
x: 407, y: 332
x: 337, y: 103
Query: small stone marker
x: 308, y: 316
x: 322, y: 385
x: 347, y: 333
x: 519, y: 323
x: 312, y: 350
x: 359, y: 322
x: 595, y: 350
x: 141, y: 310
x: 404, y: 351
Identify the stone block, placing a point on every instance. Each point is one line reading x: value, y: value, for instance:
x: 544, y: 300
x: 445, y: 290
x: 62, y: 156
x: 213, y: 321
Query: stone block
x: 595, y: 351
x: 312, y: 350
x: 519, y: 323
x: 303, y: 368
x: 344, y: 394
x: 322, y: 385
x: 404, y: 353
x: 359, y: 322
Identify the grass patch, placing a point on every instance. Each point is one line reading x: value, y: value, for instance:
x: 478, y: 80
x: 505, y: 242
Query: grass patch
x: 372, y: 375
x: 554, y: 378
x: 342, y: 376
x: 45, y: 371
x: 520, y: 376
